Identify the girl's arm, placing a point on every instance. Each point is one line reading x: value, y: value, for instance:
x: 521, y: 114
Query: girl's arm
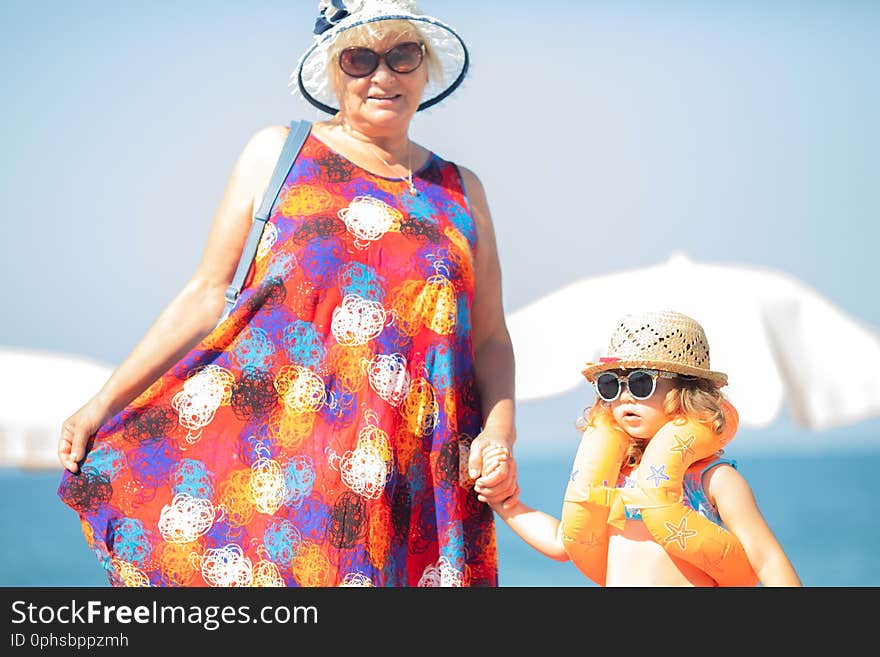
x: 733, y: 497
x: 538, y: 529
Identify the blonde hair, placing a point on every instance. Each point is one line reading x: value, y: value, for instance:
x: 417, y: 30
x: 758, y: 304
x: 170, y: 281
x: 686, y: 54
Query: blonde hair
x: 694, y: 398
x: 372, y: 33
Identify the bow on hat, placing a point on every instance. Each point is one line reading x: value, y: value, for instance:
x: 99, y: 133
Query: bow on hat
x: 331, y: 15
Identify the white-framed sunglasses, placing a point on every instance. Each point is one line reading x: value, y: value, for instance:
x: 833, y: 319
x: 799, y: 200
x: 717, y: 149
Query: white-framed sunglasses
x: 641, y: 383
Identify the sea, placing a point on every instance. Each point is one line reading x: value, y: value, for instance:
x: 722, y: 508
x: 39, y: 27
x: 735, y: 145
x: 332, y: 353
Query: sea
x: 819, y: 505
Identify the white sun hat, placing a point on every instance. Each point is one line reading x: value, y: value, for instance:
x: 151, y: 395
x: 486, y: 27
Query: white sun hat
x: 337, y: 16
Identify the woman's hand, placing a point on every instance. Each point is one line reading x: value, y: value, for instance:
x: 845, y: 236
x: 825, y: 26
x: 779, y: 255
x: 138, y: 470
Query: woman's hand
x: 492, y: 464
x: 76, y: 432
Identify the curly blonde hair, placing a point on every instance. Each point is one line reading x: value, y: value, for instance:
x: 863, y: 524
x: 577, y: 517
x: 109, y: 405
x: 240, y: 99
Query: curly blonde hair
x: 695, y: 398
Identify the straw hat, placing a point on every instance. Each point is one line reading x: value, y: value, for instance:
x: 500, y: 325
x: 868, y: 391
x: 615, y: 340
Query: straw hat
x: 337, y: 16
x: 661, y: 340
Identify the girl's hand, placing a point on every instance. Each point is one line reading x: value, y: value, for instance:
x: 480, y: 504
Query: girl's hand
x: 493, y: 466
x: 495, y: 456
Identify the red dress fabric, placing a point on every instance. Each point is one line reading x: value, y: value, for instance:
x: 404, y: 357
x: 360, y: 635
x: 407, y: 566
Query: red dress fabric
x: 319, y: 435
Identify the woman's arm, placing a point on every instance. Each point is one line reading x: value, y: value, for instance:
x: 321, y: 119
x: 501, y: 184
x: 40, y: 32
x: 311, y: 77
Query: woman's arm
x: 493, y: 353
x: 194, y: 312
x: 733, y: 497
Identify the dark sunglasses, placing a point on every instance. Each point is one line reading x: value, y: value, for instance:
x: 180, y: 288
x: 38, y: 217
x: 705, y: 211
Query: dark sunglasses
x: 641, y: 383
x: 359, y: 62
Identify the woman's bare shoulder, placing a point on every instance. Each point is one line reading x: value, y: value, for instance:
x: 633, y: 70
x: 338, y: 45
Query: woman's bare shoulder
x: 270, y: 134
x: 476, y: 194
x: 257, y: 160
x: 265, y: 144
x: 471, y: 181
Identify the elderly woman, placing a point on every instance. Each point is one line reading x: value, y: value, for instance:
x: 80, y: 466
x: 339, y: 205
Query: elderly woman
x: 330, y: 430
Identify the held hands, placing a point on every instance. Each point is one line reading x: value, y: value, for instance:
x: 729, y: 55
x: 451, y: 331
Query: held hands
x: 492, y: 464
x: 76, y: 432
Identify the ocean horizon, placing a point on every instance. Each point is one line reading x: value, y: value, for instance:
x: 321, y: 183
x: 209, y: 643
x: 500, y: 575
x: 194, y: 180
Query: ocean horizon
x: 815, y: 503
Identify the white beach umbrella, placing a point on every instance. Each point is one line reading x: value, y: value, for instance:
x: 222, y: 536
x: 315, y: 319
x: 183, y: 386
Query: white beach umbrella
x: 38, y: 391
x: 779, y: 341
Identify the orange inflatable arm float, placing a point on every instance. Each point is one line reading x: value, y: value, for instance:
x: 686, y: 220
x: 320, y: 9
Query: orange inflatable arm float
x: 587, y: 501
x: 592, y: 502
x: 681, y: 531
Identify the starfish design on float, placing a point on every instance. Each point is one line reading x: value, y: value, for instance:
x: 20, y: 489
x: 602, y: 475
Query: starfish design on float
x: 679, y: 533
x: 657, y: 475
x: 684, y: 446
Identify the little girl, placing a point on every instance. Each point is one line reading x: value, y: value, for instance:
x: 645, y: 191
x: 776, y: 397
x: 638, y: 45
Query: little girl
x: 679, y: 514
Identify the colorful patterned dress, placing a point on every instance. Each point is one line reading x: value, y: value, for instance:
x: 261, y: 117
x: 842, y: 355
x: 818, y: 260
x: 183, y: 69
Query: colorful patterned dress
x: 319, y: 436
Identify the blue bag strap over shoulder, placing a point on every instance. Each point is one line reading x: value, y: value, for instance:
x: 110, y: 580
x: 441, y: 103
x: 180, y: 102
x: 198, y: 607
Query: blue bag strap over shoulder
x: 299, y: 132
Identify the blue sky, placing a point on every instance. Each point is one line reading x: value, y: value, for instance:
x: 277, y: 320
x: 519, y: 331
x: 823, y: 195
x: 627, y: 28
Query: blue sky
x: 607, y: 134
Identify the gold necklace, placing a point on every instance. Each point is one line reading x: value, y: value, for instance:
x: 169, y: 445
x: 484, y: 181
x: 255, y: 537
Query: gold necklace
x: 408, y: 178
x: 409, y: 173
